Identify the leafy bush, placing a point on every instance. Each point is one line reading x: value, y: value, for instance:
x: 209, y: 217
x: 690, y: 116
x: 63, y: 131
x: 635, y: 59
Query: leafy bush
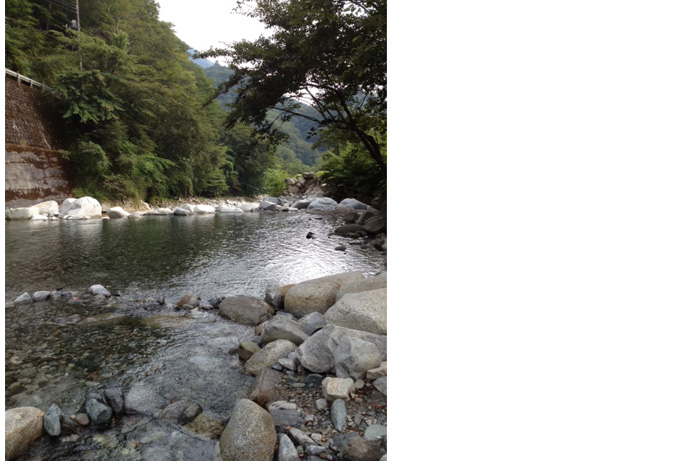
x: 351, y: 172
x: 273, y: 181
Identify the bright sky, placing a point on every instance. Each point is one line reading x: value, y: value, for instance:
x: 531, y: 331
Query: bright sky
x: 208, y: 23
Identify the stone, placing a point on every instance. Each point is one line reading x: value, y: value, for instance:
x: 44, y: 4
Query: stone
x: 203, y: 209
x: 283, y: 327
x: 348, y: 229
x: 354, y: 356
x: 248, y: 206
x: 82, y: 208
x: 323, y: 204
x: 286, y: 450
x: 143, y: 400
x: 375, y: 225
x: 172, y: 411
x: 189, y: 300
x: 265, y: 387
x: 180, y: 211
x: 365, y: 284
x: 288, y: 363
x: 99, y: 290
x: 21, y: 213
x: 99, y: 413
x: 249, y: 434
x: 23, y: 298
x: 41, y: 295
x: 269, y: 355
x: 337, y: 388
x: 245, y: 310
x: 301, y: 204
x: 189, y: 413
x: 69, y: 425
x: 364, y: 311
x: 381, y: 385
x: 114, y: 398
x: 51, y: 420
x: 306, y: 297
x: 228, y: 209
x: 354, y: 203
x: 206, y: 426
x: 117, y: 212
x: 82, y: 419
x: 299, y: 437
x: 358, y: 449
x: 338, y: 414
x: 381, y: 370
x: 321, y: 404
x: 375, y: 432
x: 23, y: 425
x: 39, y: 217
x: 285, y: 417
x: 246, y: 349
x: 312, y: 322
x: 316, y: 353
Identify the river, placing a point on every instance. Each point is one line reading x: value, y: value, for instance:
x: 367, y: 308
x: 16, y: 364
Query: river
x: 53, y: 355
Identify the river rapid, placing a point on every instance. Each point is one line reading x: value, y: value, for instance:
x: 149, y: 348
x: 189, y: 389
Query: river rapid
x: 56, y: 351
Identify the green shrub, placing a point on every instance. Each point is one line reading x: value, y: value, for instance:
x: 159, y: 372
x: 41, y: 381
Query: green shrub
x: 273, y: 181
x: 351, y: 172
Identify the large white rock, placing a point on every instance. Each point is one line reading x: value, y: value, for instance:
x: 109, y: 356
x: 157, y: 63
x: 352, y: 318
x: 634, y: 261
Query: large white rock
x: 364, y: 284
x: 117, y: 212
x: 203, y: 209
x: 228, y: 209
x: 21, y: 213
x: 23, y: 425
x: 48, y: 208
x: 248, y: 206
x: 322, y: 203
x: 81, y: 208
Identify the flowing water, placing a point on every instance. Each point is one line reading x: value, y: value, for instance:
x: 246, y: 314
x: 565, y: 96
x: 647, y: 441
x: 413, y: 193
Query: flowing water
x: 58, y: 350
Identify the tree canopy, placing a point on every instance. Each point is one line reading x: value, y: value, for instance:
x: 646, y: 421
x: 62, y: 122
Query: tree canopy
x: 330, y: 54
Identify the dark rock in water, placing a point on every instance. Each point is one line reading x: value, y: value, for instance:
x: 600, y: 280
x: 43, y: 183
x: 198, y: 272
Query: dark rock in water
x: 245, y: 310
x: 341, y: 248
x: 348, y: 229
x: 115, y: 399
x: 69, y: 425
x: 51, y: 420
x: 98, y: 412
x: 187, y: 300
x: 310, y: 235
x: 190, y: 412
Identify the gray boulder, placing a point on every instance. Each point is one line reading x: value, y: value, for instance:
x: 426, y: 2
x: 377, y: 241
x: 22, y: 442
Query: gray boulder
x: 354, y: 203
x: 359, y: 449
x: 354, y: 357
x: 265, y: 387
x: 98, y: 412
x: 301, y: 204
x: 312, y: 322
x: 376, y: 224
x: 115, y: 398
x: 364, y: 284
x: 21, y: 213
x: 316, y: 353
x: 381, y: 385
x: 40, y: 295
x: 283, y: 327
x: 249, y: 434
x: 306, y: 297
x: 245, y: 310
x: 23, y: 298
x: 23, y: 425
x: 181, y: 211
x: 349, y: 229
x: 338, y: 414
x: 322, y: 204
x: 269, y: 355
x: 365, y: 311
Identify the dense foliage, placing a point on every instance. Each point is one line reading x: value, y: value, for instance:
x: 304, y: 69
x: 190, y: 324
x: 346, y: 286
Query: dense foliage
x: 330, y: 54
x: 137, y: 112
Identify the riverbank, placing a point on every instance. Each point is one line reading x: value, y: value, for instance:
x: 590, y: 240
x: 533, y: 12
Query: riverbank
x: 311, y: 360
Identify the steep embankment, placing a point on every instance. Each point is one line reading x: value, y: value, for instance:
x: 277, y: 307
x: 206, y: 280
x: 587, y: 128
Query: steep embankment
x: 34, y: 169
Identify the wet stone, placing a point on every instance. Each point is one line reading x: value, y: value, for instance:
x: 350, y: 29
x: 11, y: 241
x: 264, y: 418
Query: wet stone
x: 98, y: 412
x: 51, y: 420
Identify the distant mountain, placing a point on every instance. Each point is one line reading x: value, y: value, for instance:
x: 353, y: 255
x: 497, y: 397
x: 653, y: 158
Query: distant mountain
x: 297, y: 128
x: 204, y: 63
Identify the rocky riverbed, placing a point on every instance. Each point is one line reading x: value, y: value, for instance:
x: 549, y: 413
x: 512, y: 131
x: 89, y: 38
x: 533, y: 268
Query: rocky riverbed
x: 300, y: 374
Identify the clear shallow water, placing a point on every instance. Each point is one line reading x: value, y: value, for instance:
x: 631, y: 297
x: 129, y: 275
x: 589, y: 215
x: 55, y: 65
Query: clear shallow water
x: 52, y: 357
x: 209, y: 255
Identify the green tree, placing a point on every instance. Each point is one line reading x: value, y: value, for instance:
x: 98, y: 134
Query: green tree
x: 330, y: 53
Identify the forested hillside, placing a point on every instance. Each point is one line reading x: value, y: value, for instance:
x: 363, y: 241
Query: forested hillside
x: 132, y: 102
x: 139, y: 114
